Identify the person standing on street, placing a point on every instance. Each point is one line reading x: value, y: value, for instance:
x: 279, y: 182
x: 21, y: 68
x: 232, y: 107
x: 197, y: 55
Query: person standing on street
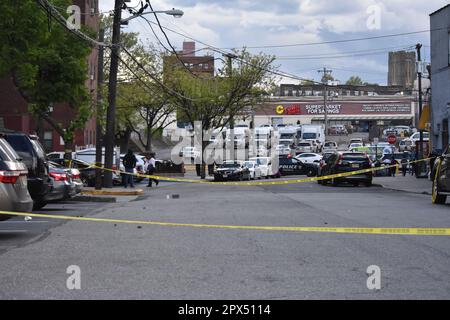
x: 404, y: 163
x: 394, y: 163
x: 151, y: 168
x: 129, y: 162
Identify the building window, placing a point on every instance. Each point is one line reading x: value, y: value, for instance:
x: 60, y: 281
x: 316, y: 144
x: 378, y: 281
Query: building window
x: 48, y: 140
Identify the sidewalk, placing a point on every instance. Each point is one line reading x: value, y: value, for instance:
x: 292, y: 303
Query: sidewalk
x: 116, y: 191
x: 407, y: 184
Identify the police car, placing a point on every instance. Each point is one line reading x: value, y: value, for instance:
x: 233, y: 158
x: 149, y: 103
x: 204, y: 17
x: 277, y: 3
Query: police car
x: 292, y: 166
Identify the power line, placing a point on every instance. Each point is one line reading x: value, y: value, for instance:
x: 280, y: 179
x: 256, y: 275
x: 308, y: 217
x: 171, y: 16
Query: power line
x: 406, y: 46
x: 221, y: 51
x: 338, y: 56
x: 339, y: 41
x: 54, y: 13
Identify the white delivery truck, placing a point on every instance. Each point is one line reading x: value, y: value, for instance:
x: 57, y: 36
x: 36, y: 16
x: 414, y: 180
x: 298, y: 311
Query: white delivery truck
x: 241, y: 137
x: 288, y: 135
x: 263, y: 136
x: 314, y: 133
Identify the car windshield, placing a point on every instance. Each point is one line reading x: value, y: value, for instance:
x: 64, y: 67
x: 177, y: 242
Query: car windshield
x: 230, y: 165
x: 304, y: 144
x: 249, y: 164
x: 354, y: 157
x: 261, y: 161
x: 6, y: 152
x: 21, y: 144
x: 309, y: 135
x: 330, y: 144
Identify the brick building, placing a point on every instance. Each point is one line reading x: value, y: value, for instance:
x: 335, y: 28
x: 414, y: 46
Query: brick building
x: 14, y: 113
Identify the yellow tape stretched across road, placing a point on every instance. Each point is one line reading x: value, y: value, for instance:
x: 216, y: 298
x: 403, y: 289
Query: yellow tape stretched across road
x: 342, y: 230
x: 260, y: 183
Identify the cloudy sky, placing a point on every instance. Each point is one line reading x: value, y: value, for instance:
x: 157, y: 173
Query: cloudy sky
x: 264, y: 24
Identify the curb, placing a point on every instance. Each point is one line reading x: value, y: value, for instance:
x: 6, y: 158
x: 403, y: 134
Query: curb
x: 426, y: 193
x: 137, y: 192
x: 83, y: 198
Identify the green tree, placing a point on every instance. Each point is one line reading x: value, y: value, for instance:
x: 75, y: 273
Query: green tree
x: 327, y: 77
x: 354, y: 81
x: 307, y: 82
x: 46, y: 62
x: 143, y: 111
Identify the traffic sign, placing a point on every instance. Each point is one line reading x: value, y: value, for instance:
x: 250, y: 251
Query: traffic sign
x: 392, y: 139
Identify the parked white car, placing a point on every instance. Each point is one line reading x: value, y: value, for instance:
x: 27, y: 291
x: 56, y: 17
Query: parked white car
x: 283, y: 150
x: 190, y: 153
x: 265, y: 164
x: 330, y: 146
x: 416, y: 136
x: 304, y: 146
x: 254, y: 168
x: 309, y: 157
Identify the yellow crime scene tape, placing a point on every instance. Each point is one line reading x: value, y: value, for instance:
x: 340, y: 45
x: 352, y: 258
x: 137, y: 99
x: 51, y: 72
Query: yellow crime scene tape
x: 259, y: 183
x: 342, y: 230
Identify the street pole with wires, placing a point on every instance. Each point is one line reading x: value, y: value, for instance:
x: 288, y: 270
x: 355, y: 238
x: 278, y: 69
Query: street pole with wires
x: 325, y: 71
x: 419, y: 152
x: 112, y: 88
x: 99, y: 129
x: 230, y: 74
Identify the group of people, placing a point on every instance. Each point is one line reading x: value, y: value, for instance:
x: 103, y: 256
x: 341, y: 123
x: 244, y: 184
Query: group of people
x: 406, y: 165
x: 130, y: 161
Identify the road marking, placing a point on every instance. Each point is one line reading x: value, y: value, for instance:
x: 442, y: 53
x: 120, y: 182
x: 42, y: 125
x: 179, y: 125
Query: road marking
x: 349, y: 230
x: 27, y: 222
x: 13, y: 231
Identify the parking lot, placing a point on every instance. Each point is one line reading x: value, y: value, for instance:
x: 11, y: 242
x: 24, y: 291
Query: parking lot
x: 135, y: 261
x: 20, y: 231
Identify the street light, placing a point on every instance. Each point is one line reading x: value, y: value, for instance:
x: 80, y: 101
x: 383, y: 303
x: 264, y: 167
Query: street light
x: 176, y: 13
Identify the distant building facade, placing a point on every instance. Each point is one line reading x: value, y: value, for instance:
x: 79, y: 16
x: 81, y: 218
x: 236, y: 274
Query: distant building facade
x: 199, y: 65
x: 402, y: 69
x: 365, y: 108
x: 440, y: 77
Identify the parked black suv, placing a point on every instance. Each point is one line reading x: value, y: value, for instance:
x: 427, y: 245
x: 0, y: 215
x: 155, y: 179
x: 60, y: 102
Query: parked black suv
x: 32, y: 154
x: 441, y: 178
x: 344, y: 162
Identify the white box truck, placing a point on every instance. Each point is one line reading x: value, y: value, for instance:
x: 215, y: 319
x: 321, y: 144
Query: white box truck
x: 314, y: 133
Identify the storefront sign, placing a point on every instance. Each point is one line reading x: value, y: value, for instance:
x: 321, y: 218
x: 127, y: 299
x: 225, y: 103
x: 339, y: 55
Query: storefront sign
x: 319, y: 109
x: 345, y: 108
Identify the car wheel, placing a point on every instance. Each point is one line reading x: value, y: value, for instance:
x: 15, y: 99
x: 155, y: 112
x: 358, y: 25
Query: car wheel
x: 368, y: 183
x: 355, y: 184
x: 334, y: 182
x: 437, y: 198
x: 39, y: 204
x: 311, y: 173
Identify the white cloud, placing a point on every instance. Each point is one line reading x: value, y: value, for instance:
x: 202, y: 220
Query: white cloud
x: 236, y: 23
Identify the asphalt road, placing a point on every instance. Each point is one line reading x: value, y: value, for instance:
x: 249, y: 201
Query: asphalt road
x: 126, y: 261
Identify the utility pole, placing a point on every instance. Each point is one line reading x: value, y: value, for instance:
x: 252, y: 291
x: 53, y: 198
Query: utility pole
x: 99, y: 129
x: 419, y: 151
x: 325, y: 71
x: 112, y: 87
x: 230, y: 57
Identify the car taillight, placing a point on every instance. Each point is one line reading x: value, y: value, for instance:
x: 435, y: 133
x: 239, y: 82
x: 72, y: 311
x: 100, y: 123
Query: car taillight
x: 10, y: 176
x: 75, y: 176
x: 59, y: 176
x: 322, y: 163
x: 341, y: 158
